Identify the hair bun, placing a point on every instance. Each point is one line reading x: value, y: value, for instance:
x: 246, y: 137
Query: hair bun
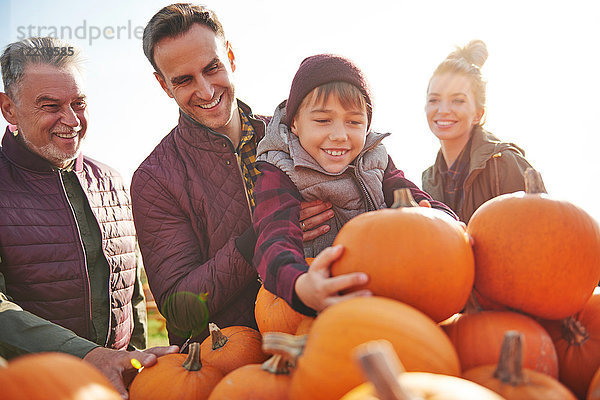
x: 475, y: 52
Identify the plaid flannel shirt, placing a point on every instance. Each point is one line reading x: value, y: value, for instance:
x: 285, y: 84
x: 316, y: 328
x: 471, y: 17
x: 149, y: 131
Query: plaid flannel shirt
x: 247, y: 153
x: 454, y: 178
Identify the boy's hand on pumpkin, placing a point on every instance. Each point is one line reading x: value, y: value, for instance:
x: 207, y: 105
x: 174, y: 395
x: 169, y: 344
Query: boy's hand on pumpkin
x: 313, y: 215
x: 116, y: 364
x: 425, y: 203
x: 317, y: 289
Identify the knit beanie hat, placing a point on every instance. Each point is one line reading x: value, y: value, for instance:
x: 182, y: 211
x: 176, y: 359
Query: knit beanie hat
x: 320, y: 69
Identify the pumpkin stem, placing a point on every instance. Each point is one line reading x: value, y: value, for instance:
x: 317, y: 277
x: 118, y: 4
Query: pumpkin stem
x: 403, y: 198
x: 472, y: 306
x: 533, y: 182
x: 277, y: 365
x: 192, y: 362
x: 382, y: 367
x: 510, y: 365
x: 574, y: 331
x: 289, y: 346
x: 218, y: 339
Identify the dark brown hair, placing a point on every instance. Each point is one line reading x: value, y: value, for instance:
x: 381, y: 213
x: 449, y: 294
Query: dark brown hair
x: 175, y: 20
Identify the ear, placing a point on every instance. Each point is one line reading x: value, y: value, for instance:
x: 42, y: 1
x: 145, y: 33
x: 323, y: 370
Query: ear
x: 9, y: 109
x: 478, y: 116
x: 230, y: 56
x: 163, y: 84
x: 293, y: 127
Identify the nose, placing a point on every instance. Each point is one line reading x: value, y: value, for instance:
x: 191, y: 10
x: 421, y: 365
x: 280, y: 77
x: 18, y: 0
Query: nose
x: 338, y: 132
x: 204, y: 89
x: 443, y: 106
x: 70, y: 118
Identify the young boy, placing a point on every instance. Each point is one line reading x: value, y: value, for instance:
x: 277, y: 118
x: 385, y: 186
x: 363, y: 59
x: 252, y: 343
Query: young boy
x: 318, y: 146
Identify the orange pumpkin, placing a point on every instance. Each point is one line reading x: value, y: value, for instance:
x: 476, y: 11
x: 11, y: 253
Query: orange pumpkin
x: 512, y: 381
x: 389, y: 381
x: 326, y: 371
x: 304, y: 326
x: 594, y: 389
x: 273, y: 314
x: 420, y: 256
x: 269, y: 381
x: 534, y: 253
x: 232, y: 347
x: 477, y: 338
x: 53, y: 376
x: 176, y: 376
x: 577, y: 342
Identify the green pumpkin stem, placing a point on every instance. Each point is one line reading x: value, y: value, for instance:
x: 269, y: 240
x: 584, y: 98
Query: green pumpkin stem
x: 403, y: 198
x: 218, y: 339
x: 192, y: 362
x: 382, y: 367
x: 533, y: 182
x: 510, y: 365
x: 574, y: 331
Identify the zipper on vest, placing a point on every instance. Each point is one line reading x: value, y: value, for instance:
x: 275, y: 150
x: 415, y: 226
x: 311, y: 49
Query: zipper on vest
x: 366, y: 195
x: 87, y: 288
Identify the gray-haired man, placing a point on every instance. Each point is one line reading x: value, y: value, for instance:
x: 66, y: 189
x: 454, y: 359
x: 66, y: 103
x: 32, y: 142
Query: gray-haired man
x: 69, y: 277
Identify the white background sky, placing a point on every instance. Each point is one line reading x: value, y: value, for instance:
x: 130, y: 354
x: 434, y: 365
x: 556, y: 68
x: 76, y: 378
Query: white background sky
x: 542, y: 71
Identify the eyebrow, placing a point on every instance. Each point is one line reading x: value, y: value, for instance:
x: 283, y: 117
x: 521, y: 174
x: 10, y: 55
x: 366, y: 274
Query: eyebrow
x: 178, y: 79
x: 452, y: 94
x: 325, y: 110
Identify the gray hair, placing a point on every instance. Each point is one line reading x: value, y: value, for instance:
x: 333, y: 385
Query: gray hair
x: 31, y: 51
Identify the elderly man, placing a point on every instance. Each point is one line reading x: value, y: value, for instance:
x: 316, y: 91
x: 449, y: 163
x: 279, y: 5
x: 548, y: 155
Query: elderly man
x: 69, y: 279
x: 193, y: 196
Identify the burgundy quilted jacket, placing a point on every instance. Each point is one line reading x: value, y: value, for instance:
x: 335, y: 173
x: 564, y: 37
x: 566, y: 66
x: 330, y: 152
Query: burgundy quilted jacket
x: 189, y: 204
x: 43, y: 259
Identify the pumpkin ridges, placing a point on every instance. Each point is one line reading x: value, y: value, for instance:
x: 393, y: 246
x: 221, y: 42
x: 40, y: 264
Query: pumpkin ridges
x: 181, y: 383
x: 478, y: 338
x: 547, y: 252
x: 577, y: 342
x: 273, y: 314
x: 243, y: 346
x: 526, y: 384
x: 394, y: 248
x: 326, y: 371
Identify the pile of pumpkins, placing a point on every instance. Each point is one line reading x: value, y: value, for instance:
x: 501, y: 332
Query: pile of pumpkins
x: 502, y: 308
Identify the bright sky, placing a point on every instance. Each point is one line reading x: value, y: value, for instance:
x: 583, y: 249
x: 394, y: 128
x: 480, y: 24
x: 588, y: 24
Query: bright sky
x: 542, y: 71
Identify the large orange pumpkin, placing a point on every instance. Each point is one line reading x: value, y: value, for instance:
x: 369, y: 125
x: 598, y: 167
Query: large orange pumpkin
x: 232, y: 347
x: 534, y: 253
x: 478, y: 336
x: 176, y: 377
x: 420, y: 256
x: 53, y: 376
x: 577, y: 342
x: 273, y: 314
x: 388, y: 380
x: 512, y: 381
x: 326, y: 371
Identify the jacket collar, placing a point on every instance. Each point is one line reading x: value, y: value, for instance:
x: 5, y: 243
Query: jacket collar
x: 24, y: 158
x: 201, y: 136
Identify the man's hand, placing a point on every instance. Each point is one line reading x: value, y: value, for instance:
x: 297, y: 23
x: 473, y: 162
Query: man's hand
x: 318, y: 290
x: 116, y: 364
x: 312, y: 215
